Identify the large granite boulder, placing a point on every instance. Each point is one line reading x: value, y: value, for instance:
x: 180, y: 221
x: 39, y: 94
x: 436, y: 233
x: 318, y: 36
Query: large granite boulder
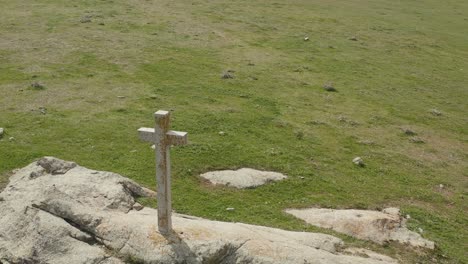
x: 54, y: 211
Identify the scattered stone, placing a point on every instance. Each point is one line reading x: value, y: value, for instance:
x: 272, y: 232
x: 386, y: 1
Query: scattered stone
x: 2, y: 131
x: 306, y: 39
x: 420, y: 230
x: 221, y: 133
x: 358, y: 161
x: 379, y: 227
x: 11, y: 138
x: 417, y: 140
x: 37, y: 86
x: 228, y: 75
x: 81, y: 217
x: 42, y: 110
x: 86, y: 19
x: 408, y: 216
x: 329, y: 87
x: 435, y: 112
x: 153, y: 146
x: 353, y: 38
x: 120, y: 96
x: 242, y: 178
x: 302, y: 177
x: 441, y: 186
x: 153, y: 97
x: 230, y: 209
x: 408, y: 132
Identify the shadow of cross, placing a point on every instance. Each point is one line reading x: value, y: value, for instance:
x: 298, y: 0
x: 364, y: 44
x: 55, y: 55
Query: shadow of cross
x: 163, y: 138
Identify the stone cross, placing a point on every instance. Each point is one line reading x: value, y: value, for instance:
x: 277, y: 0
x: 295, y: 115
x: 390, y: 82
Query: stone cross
x: 163, y: 138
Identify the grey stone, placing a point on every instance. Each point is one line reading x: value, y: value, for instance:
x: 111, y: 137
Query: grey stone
x: 242, y: 178
x: 435, y: 112
x: 376, y: 226
x: 86, y: 217
x: 358, y: 161
x: 2, y: 131
x: 329, y: 87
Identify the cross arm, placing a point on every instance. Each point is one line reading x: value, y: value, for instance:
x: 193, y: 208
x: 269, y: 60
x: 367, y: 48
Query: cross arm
x: 175, y: 138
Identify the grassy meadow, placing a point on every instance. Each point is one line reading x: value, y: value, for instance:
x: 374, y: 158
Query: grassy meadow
x: 78, y: 78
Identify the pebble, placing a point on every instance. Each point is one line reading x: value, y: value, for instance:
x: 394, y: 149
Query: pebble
x: 436, y: 112
x: 409, y: 132
x: 358, y: 161
x: 153, y: 146
x: 120, y: 96
x: 1, y: 132
x: 353, y: 38
x: 408, y: 216
x: 306, y: 38
x: 329, y: 87
x: 441, y: 186
x: 11, y: 138
x: 230, y: 209
x: 221, y: 133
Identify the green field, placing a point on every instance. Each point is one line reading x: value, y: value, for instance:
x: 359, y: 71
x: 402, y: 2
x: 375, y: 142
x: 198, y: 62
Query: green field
x: 78, y: 78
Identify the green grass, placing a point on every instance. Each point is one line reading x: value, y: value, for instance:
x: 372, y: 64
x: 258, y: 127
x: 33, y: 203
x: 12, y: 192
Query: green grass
x: 409, y: 58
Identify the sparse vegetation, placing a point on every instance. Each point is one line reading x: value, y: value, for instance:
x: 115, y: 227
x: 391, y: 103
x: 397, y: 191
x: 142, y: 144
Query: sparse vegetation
x: 405, y: 67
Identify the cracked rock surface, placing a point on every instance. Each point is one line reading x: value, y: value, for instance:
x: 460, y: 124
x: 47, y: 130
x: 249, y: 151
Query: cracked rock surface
x: 376, y: 226
x: 54, y: 212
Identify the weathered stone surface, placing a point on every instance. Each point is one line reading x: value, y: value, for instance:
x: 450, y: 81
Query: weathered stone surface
x: 376, y: 226
x: 242, y: 178
x: 86, y: 216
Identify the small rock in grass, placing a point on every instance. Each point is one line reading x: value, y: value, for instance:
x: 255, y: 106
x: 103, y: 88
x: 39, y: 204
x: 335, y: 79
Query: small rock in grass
x: 306, y: 39
x: 228, y: 74
x: 11, y: 138
x: 85, y: 19
x: 353, y: 38
x: 153, y: 146
x: 358, y: 161
x: 408, y: 216
x: 408, y: 132
x: 441, y: 186
x: 435, y: 112
x: 329, y: 87
x: 37, y: 86
x: 221, y: 133
x: 120, y: 96
x: 43, y: 110
x: 417, y: 140
x: 1, y: 132
x: 420, y: 230
x: 230, y: 209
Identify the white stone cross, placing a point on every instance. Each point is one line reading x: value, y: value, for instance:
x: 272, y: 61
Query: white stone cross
x: 163, y: 138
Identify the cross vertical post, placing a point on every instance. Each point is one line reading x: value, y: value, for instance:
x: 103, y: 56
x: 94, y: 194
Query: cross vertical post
x: 163, y: 138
